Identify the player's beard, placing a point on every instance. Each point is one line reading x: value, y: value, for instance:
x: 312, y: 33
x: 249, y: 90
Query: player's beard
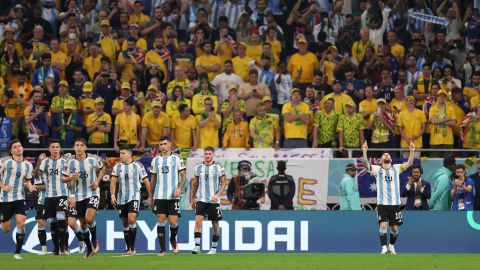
x: 387, y: 161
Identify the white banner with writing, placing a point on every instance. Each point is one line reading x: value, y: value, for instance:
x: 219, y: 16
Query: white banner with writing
x: 267, y: 153
x: 310, y: 175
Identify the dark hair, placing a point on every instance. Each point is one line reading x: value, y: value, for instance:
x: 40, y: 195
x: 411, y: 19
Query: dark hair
x: 476, y: 73
x: 105, y: 59
x: 164, y: 138
x: 129, y: 102
x: 125, y: 147
x: 448, y: 160
x: 425, y: 65
x: 223, y: 19
x: 81, y: 140
x: 52, y: 141
x: 253, y: 71
x: 228, y: 62
x: 46, y: 56
x: 14, y: 141
x: 460, y: 166
x: 182, y: 107
x: 417, y: 166
x: 131, y: 39
x: 209, y: 148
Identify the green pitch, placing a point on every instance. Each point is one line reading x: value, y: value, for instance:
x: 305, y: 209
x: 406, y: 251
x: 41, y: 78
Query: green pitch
x: 245, y: 261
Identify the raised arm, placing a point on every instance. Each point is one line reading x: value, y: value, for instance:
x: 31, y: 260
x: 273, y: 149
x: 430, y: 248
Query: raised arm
x: 409, y: 162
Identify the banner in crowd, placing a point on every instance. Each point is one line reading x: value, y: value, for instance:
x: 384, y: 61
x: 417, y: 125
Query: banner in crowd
x: 5, y: 132
x: 242, y: 153
x: 283, y: 231
x: 310, y: 177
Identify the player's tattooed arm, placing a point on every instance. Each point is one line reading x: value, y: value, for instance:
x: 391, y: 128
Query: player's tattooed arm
x: 181, y: 185
x: 194, y: 187
x: 146, y: 182
x: 364, y: 158
x: 222, y: 186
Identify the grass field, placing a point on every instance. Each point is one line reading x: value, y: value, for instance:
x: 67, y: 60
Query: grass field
x: 246, y: 261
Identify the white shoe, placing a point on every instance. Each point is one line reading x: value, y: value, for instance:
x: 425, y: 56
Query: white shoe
x: 82, y: 247
x: 391, y: 249
x: 17, y: 257
x: 212, y: 251
x: 43, y: 252
x: 196, y: 250
x: 384, y: 250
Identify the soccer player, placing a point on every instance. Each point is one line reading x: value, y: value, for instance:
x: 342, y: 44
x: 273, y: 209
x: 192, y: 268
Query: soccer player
x: 55, y: 196
x: 168, y: 180
x: 208, y: 184
x: 129, y: 174
x: 82, y: 171
x: 40, y: 215
x: 16, y: 175
x: 388, y: 194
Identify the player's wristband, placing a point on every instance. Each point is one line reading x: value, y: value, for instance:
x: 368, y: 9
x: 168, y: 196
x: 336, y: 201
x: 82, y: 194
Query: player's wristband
x: 71, y: 196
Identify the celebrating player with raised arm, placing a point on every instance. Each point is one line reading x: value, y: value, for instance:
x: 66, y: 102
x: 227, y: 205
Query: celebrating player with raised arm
x: 82, y: 172
x: 16, y: 174
x: 168, y: 180
x: 388, y: 194
x: 129, y: 174
x: 209, y: 184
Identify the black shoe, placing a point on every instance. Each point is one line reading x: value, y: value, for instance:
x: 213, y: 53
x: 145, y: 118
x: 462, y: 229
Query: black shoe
x: 89, y: 254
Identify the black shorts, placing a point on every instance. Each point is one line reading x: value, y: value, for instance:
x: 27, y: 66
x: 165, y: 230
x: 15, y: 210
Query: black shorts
x: 167, y: 207
x: 13, y: 208
x: 83, y: 205
x: 130, y: 207
x: 72, y: 212
x: 389, y: 213
x: 54, y: 205
x: 212, y: 210
x: 40, y: 212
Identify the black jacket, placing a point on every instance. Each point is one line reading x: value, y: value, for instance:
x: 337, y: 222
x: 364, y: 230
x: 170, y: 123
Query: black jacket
x: 281, y: 190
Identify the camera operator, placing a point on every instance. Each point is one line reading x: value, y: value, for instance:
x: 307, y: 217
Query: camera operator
x: 281, y: 189
x: 416, y: 190
x: 245, y: 189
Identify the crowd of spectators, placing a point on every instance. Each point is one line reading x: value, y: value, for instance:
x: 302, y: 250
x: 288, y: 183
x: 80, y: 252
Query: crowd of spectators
x: 242, y: 73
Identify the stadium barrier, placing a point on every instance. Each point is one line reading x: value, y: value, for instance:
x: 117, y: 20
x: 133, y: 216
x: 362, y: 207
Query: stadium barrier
x: 285, y: 231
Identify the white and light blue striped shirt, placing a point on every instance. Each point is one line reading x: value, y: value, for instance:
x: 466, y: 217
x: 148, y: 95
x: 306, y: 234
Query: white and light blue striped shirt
x: 388, y: 184
x: 52, y: 170
x: 13, y: 174
x: 167, y: 170
x: 129, y: 181
x: 208, y: 181
x: 87, y: 170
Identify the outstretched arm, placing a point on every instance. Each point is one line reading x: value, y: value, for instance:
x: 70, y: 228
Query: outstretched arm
x: 409, y: 162
x: 365, y: 162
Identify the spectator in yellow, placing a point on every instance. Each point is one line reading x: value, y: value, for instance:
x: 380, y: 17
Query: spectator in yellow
x: 367, y: 107
x: 297, y: 115
x: 412, y: 124
x: 396, y: 48
x: 130, y: 61
x: 99, y: 125
x: 231, y: 104
x: 137, y: 16
x: 175, y: 101
x: 302, y: 65
x: 350, y: 129
x: 252, y: 92
x: 471, y: 89
x: 117, y: 107
x: 157, y: 56
x: 209, y: 123
x: 237, y: 134
x: 59, y: 58
x: 381, y: 124
x: 127, y: 127
x: 442, y: 120
x: 397, y: 105
x: 145, y: 102
x: 264, y: 129
x: 86, y: 102
x: 254, y: 48
x: 224, y: 47
x: 183, y: 129
x: 359, y: 47
x: 108, y: 43
x: 470, y: 130
x: 155, y: 124
x: 208, y: 64
x: 423, y: 87
x: 92, y: 63
x: 63, y: 95
x: 181, y: 80
x: 330, y: 63
x: 204, y: 91
x: 241, y: 62
x: 140, y: 42
x: 341, y: 99
x: 325, y: 126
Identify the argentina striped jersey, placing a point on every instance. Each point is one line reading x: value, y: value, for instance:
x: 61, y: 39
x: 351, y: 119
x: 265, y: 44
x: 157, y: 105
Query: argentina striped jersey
x: 129, y: 181
x: 87, y: 170
x: 167, y: 170
x: 208, y: 181
x: 52, y: 170
x: 13, y: 174
x: 388, y: 184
